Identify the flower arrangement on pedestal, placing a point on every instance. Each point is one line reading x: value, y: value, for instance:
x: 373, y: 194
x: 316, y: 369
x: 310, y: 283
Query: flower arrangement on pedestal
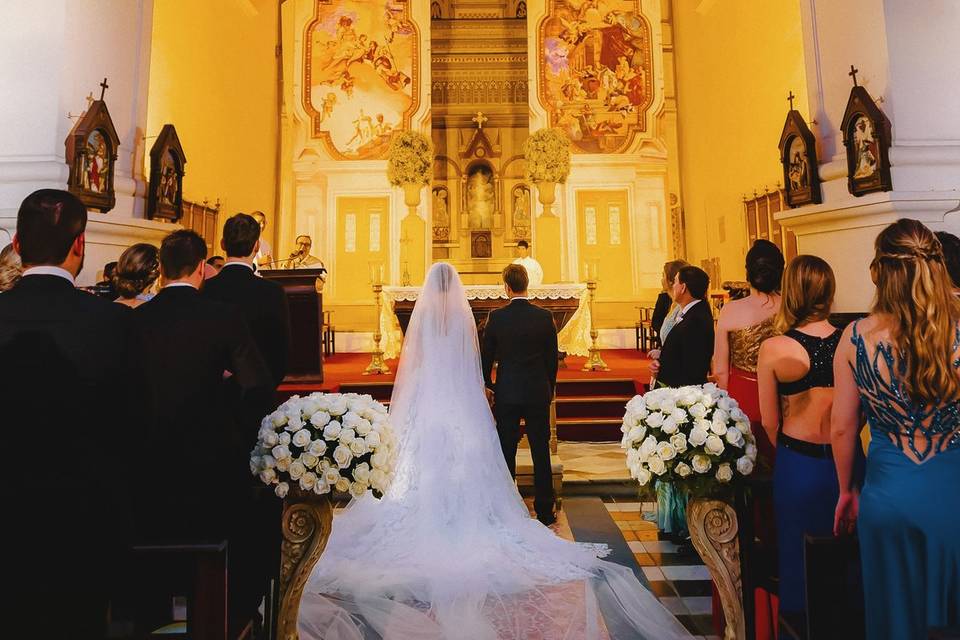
x: 326, y: 441
x: 410, y: 164
x: 547, y: 152
x: 695, y: 437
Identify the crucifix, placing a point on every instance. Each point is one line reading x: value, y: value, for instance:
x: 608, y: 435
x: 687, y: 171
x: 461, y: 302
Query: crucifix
x: 791, y: 98
x: 479, y: 119
x: 853, y: 74
x: 103, y: 88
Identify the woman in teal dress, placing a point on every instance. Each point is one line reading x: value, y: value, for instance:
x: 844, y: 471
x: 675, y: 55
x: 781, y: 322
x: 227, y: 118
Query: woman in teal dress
x: 899, y: 368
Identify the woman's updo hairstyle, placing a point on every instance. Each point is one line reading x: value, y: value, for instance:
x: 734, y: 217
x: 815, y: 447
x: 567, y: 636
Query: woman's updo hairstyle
x: 764, y: 266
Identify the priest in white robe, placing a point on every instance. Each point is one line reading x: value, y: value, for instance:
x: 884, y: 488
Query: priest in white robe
x: 534, y: 270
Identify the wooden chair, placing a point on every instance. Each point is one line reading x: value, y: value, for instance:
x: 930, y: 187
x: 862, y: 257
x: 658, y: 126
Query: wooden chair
x: 646, y: 335
x: 328, y: 335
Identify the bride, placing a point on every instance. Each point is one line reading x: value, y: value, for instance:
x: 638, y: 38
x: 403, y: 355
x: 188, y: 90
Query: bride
x: 450, y: 552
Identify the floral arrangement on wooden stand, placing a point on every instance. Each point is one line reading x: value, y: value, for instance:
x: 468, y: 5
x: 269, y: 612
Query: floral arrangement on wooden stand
x: 410, y: 164
x: 699, y: 440
x: 547, y: 152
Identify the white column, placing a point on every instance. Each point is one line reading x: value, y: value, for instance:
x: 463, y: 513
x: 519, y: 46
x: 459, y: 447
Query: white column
x: 56, y: 52
x: 901, y: 50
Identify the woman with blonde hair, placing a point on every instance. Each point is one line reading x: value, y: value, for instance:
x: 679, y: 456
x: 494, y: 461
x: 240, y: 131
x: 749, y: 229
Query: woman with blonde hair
x: 795, y: 380
x: 137, y: 270
x: 898, y: 367
x: 10, y: 268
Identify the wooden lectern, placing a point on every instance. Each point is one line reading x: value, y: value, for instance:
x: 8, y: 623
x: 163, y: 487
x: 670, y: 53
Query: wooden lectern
x: 302, y: 287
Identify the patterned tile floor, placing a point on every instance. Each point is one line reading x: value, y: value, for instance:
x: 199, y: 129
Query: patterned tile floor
x: 592, y: 461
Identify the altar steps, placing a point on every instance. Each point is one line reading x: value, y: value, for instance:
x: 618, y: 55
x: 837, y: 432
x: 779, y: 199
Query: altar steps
x: 591, y: 409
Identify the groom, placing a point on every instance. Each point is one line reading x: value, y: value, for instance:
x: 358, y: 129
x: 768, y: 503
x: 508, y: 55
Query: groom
x: 522, y: 339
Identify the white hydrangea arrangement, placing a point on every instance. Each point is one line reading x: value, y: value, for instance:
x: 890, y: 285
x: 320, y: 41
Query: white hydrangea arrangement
x: 547, y: 152
x: 695, y: 437
x: 410, y: 159
x: 326, y: 441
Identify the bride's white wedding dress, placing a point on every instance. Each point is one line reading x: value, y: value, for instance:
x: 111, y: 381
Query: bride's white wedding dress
x: 451, y: 551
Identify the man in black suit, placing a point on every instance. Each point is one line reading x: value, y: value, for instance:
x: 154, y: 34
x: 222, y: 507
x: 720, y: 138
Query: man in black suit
x: 195, y: 469
x: 261, y: 302
x: 685, y: 356
x: 63, y: 397
x: 522, y: 339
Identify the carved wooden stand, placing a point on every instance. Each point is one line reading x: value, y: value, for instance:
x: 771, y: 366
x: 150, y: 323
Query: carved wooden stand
x: 713, y: 530
x: 306, y: 523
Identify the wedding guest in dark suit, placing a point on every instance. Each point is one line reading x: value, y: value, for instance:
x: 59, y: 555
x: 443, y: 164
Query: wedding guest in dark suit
x: 261, y: 302
x: 685, y: 356
x: 63, y: 395
x: 522, y: 339
x: 195, y: 468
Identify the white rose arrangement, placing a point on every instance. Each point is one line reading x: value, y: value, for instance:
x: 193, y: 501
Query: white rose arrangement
x: 695, y: 437
x: 326, y: 441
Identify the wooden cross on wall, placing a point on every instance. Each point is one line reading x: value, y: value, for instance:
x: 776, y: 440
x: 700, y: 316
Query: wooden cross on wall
x: 853, y: 74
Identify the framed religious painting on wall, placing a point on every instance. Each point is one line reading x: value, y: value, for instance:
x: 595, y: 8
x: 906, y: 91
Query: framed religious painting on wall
x: 866, y: 135
x: 165, y: 192
x: 91, y: 155
x: 798, y: 156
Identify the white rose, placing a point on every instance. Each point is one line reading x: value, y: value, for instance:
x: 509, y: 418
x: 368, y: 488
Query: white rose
x: 332, y: 430
x: 726, y: 403
x: 734, y: 437
x: 679, y: 415
x: 702, y: 423
x: 255, y: 463
x: 281, y: 452
x: 270, y: 439
x: 378, y: 479
x: 379, y: 460
x: 751, y: 451
x: 636, y: 434
x: 347, y: 435
x: 364, y: 427
x: 357, y: 489
x: 294, y: 423
x: 743, y: 427
x: 284, y: 438
x: 636, y: 405
x: 708, y: 400
x: 373, y: 440
x: 309, y: 460
x: 281, y: 489
x: 666, y: 451
x: 338, y: 407
x: 301, y: 438
x: 714, y: 445
x: 342, y: 456
x: 267, y: 461
x: 361, y: 473
x: 331, y: 476
x: 657, y: 465
x: 643, y: 476
x: 721, y: 416
x: 284, y: 465
x: 724, y: 473
x: 268, y: 476
x: 279, y: 418
x: 358, y: 446
x: 701, y: 463
x: 308, y: 481
x: 698, y: 410
x: 317, y: 448
x: 711, y: 388
x: 297, y: 469
x: 652, y: 400
x: 698, y: 436
x: 719, y: 428
x: 682, y: 469
x: 688, y: 397
x: 343, y: 485
x: 669, y: 425
x: 321, y: 487
x: 350, y: 419
x: 648, y: 447
x: 320, y: 419
x: 668, y: 406
x: 738, y: 415
x: 655, y: 420
x: 679, y: 442
x: 745, y: 465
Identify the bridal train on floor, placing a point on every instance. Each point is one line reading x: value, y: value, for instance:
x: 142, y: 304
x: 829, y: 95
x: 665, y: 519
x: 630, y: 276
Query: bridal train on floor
x: 450, y: 551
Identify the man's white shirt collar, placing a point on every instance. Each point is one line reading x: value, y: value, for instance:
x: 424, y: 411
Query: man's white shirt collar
x: 178, y: 284
x: 519, y: 298
x: 683, y: 311
x: 50, y: 271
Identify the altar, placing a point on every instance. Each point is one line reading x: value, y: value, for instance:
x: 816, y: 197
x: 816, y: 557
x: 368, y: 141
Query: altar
x: 569, y: 304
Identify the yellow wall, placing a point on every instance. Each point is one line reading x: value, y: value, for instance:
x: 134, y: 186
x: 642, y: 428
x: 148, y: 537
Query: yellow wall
x: 213, y: 74
x: 736, y: 61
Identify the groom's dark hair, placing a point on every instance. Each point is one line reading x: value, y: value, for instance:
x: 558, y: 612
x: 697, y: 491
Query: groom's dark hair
x: 515, y: 276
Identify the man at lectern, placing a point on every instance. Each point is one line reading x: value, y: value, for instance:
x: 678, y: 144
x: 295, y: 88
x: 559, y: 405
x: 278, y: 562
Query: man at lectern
x: 300, y: 258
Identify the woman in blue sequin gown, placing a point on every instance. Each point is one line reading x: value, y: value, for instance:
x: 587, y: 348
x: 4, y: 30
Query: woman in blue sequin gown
x: 898, y: 368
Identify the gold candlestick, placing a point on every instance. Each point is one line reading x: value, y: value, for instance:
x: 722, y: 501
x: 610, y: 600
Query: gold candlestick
x: 377, y: 366
x: 594, y: 362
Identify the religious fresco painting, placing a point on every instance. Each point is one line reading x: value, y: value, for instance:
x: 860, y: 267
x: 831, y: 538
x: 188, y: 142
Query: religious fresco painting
x: 360, y: 75
x: 596, y: 76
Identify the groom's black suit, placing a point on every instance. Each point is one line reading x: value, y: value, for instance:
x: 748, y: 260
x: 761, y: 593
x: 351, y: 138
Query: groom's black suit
x: 522, y: 339
x: 686, y: 353
x: 63, y: 397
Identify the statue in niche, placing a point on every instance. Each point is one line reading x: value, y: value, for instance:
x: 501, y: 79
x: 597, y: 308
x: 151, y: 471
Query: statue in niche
x: 521, y: 211
x: 480, y: 198
x: 441, y: 215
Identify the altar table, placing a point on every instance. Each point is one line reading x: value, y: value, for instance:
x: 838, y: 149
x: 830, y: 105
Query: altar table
x: 568, y: 303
